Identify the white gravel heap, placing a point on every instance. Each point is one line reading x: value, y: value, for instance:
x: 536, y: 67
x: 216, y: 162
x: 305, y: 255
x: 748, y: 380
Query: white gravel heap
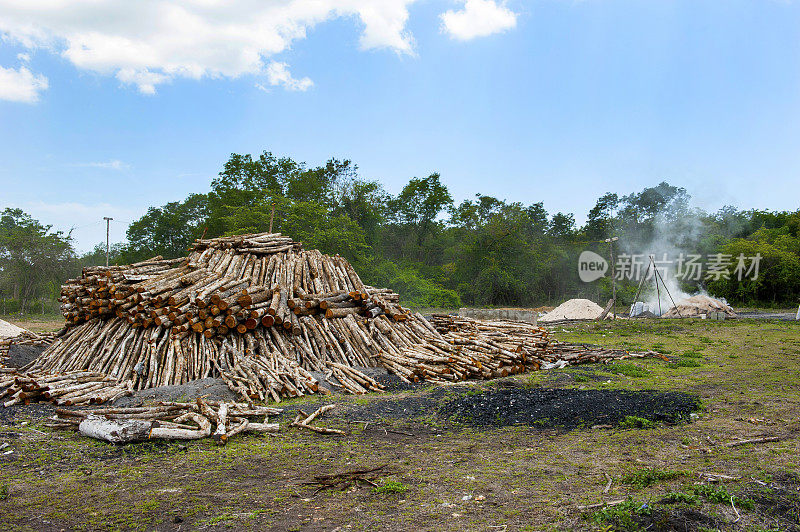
x: 9, y: 330
x: 574, y: 309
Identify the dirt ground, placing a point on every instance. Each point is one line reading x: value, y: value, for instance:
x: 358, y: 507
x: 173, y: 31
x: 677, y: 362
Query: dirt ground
x: 36, y: 323
x: 523, y: 453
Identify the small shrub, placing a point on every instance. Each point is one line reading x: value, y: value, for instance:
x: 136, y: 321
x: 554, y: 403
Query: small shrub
x: 390, y: 486
x: 693, y: 354
x: 581, y: 378
x: 3, y: 492
x: 635, y: 422
x: 642, y: 478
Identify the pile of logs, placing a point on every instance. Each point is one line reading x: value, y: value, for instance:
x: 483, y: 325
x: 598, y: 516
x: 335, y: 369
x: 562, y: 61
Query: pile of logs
x: 263, y: 314
x: 168, y: 421
x: 74, y: 388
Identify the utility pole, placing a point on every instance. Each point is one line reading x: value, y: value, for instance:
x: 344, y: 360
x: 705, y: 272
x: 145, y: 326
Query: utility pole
x: 108, y: 235
x: 613, y: 280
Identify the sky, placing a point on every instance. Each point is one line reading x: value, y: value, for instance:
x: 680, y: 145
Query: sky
x: 108, y: 107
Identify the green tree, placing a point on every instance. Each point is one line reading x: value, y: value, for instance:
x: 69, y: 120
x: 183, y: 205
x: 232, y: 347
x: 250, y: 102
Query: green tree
x: 34, y: 260
x: 167, y: 230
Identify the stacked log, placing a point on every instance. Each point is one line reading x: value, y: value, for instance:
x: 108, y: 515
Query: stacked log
x: 262, y: 313
x: 74, y: 388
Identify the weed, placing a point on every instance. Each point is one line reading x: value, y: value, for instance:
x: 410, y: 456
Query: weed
x: 721, y: 496
x: 693, y: 353
x: 636, y: 422
x: 642, y: 478
x: 581, y: 378
x: 390, y: 486
x: 3, y: 492
x: 621, y: 516
x: 679, y: 496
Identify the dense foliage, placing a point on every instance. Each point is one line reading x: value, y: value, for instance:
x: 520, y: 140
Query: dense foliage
x: 484, y: 251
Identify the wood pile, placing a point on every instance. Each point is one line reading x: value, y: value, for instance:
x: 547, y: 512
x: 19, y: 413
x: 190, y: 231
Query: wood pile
x: 264, y: 314
x: 533, y: 345
x: 169, y: 421
x: 74, y: 388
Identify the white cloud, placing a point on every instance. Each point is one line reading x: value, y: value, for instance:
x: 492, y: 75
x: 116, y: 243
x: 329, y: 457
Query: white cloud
x: 478, y: 18
x: 278, y: 74
x: 21, y: 85
x: 150, y: 42
x: 24, y: 58
x: 113, y: 164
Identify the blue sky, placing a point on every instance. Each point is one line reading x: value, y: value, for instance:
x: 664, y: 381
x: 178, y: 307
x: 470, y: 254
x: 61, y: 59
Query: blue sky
x: 555, y: 101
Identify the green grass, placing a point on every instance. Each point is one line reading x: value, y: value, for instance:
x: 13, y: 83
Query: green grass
x: 636, y: 422
x: 390, y: 487
x: 674, y: 497
x: 721, y: 496
x: 629, y: 370
x: 620, y: 516
x: 686, y: 363
x: 642, y: 478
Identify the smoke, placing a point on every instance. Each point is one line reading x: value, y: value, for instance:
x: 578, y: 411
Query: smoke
x: 673, y: 238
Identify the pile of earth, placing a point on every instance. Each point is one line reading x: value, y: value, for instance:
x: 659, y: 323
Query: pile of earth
x: 574, y: 309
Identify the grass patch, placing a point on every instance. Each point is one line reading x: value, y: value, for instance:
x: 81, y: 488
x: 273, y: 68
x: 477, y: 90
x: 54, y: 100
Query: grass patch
x: 686, y: 363
x: 721, y: 496
x: 620, y: 516
x: 629, y: 370
x: 675, y: 497
x: 642, y: 478
x: 390, y: 487
x: 636, y: 422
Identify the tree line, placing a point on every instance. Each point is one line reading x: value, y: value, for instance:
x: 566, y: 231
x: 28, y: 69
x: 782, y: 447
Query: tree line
x: 434, y: 252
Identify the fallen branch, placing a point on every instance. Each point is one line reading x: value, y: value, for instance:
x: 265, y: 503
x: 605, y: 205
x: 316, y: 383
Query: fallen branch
x: 306, y: 423
x: 765, y: 439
